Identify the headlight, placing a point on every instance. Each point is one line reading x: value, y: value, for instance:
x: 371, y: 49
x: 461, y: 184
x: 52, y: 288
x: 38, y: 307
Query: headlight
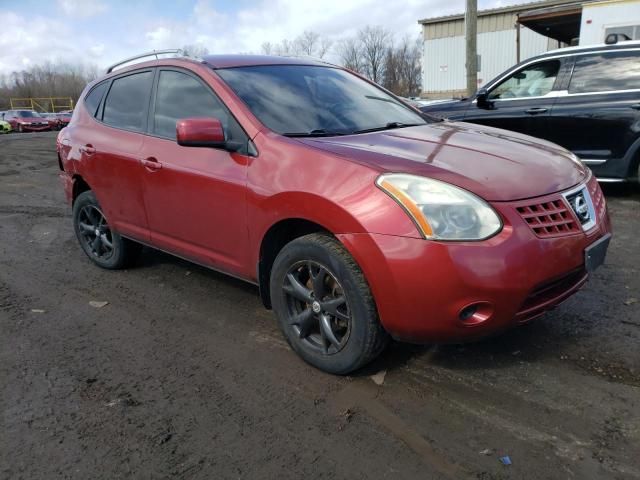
x: 441, y: 211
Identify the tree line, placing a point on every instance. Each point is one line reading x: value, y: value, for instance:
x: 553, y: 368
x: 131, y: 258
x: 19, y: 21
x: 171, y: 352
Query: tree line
x: 46, y: 80
x: 373, y: 52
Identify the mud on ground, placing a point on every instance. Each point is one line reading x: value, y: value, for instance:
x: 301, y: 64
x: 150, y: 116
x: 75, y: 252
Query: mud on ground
x: 183, y: 374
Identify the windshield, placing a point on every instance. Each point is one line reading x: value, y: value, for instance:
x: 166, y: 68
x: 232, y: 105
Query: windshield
x: 27, y: 113
x: 300, y: 100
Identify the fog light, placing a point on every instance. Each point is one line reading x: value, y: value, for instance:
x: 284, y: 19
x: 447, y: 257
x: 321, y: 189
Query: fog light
x: 475, y: 313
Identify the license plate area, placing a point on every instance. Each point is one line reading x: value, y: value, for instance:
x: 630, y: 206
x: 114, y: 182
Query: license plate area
x: 595, y: 253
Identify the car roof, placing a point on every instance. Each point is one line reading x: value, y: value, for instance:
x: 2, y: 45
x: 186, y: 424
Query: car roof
x: 567, y: 51
x: 231, y: 61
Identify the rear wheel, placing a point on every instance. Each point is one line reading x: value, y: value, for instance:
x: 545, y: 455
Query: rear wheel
x: 105, y: 247
x: 324, y: 305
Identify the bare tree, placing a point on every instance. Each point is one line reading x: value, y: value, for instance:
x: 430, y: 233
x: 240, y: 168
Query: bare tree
x: 375, y: 42
x: 324, y: 47
x: 402, y: 68
x: 307, y: 43
x: 195, y: 51
x: 267, y: 48
x: 350, y: 54
x: 286, y: 47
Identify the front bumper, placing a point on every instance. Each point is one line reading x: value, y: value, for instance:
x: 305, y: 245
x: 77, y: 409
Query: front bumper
x: 425, y: 289
x: 35, y: 128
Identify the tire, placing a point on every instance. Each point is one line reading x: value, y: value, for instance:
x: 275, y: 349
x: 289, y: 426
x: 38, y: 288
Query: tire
x: 107, y: 249
x: 324, y: 305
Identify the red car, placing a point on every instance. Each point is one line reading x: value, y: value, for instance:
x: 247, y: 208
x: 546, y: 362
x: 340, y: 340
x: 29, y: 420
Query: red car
x: 57, y: 121
x: 26, y: 121
x: 358, y: 217
x: 63, y: 119
x: 52, y: 118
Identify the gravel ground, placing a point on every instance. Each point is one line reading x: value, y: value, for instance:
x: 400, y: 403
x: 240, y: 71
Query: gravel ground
x: 183, y: 373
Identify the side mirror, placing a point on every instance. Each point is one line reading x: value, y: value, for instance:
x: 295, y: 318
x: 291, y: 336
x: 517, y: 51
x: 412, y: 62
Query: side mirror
x: 203, y: 132
x: 482, y: 98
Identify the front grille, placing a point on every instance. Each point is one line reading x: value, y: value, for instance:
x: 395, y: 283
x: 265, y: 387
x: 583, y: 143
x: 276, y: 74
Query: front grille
x: 549, y: 219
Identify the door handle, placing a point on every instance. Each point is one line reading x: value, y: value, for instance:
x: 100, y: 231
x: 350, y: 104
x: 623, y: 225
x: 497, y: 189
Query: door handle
x: 151, y: 164
x: 88, y: 149
x: 535, y: 111
x: 636, y: 106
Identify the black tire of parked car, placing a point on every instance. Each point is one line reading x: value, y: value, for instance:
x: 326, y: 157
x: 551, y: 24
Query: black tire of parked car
x: 324, y: 305
x: 105, y: 247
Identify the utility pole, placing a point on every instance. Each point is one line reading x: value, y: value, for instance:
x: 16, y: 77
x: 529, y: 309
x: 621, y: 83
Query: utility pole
x: 471, y: 38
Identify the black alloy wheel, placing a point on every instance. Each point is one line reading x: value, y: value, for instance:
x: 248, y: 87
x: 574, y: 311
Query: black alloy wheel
x: 95, y: 232
x: 103, y: 245
x: 317, y: 307
x: 324, y: 305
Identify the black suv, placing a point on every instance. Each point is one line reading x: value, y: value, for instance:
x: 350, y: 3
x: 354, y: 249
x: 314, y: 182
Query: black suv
x: 586, y: 99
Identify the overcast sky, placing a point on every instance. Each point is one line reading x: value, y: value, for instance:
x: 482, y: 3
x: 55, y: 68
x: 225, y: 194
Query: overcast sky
x: 104, y: 31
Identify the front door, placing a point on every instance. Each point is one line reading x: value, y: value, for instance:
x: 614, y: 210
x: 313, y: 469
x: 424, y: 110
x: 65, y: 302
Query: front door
x: 195, y: 196
x: 521, y: 102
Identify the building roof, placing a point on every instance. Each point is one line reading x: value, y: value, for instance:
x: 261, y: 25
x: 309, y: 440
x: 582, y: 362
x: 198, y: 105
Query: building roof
x: 521, y: 7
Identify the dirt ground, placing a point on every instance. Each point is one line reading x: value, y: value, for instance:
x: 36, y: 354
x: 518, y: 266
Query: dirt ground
x: 183, y: 374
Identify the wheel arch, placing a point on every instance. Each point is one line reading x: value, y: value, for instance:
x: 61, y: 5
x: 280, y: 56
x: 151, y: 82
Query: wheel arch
x: 275, y: 238
x: 79, y: 186
x: 632, y: 158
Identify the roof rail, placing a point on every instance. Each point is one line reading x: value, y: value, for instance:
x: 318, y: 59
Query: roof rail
x: 153, y: 53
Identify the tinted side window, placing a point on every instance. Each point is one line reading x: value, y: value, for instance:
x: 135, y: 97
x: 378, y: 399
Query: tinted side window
x: 605, y: 72
x: 127, y: 100
x: 533, y: 81
x: 182, y: 96
x: 92, y: 100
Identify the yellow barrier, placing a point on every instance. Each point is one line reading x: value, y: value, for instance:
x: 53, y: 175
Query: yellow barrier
x: 42, y: 104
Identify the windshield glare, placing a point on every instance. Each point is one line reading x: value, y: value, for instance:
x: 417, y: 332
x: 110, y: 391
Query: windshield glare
x: 301, y: 99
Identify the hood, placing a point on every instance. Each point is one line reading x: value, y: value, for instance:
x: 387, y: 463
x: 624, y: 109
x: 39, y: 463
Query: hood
x: 495, y: 164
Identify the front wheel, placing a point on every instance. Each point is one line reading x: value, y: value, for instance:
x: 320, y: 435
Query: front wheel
x: 105, y: 247
x: 324, y: 305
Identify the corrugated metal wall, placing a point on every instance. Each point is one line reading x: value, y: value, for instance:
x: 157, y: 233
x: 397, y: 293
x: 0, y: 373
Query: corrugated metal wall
x: 444, y: 57
x: 454, y: 28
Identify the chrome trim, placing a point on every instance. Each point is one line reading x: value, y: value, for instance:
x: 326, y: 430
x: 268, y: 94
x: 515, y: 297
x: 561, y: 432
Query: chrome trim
x: 492, y: 84
x: 153, y: 53
x: 610, y: 180
x: 590, y: 208
x: 594, y: 161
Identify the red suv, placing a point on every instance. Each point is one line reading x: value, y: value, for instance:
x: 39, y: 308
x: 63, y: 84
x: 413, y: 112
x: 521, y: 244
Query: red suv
x: 358, y: 217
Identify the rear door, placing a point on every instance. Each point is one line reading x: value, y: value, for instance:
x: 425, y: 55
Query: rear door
x: 599, y: 117
x: 110, y: 152
x: 195, y: 196
x: 522, y: 101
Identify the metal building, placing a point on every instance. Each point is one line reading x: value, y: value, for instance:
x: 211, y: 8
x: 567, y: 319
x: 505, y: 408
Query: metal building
x: 502, y: 42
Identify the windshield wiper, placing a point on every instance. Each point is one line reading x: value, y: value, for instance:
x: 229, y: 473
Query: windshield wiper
x: 314, y: 133
x: 388, y: 126
x: 382, y: 99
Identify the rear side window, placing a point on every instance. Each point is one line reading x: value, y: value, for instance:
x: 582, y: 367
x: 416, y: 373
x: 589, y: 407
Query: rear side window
x: 92, y: 100
x: 606, y: 72
x: 127, y: 101
x: 181, y: 96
